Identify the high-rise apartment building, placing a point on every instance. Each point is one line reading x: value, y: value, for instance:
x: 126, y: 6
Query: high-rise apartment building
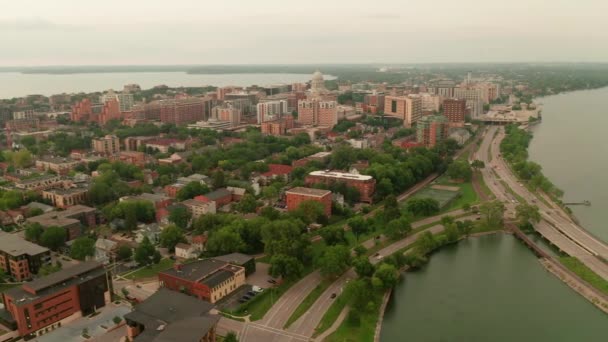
x: 108, y: 145
x: 183, y: 111
x: 430, y: 102
x: 125, y: 100
x: 271, y: 110
x: 21, y: 259
x: 407, y: 108
x: 431, y: 130
x: 228, y: 113
x: 455, y: 111
x: 86, y: 111
x: 318, y: 113
x: 474, y: 96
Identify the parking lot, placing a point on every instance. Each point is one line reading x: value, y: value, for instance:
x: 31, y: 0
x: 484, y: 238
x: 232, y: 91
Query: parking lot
x: 260, y: 276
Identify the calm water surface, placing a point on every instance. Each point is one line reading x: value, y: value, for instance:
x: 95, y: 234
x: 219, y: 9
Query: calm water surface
x: 571, y: 145
x: 490, y: 288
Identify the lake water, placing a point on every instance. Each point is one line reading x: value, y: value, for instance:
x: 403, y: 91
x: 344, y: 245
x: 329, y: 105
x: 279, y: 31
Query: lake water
x: 490, y: 288
x: 14, y: 84
x: 572, y: 147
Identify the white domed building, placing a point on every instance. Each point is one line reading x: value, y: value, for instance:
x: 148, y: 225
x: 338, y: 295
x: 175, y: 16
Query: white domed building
x: 317, y: 83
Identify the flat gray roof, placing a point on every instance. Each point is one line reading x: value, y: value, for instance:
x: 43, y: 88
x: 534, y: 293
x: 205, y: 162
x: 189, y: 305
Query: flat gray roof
x: 234, y: 258
x: 197, y: 270
x: 62, y: 275
x: 15, y: 245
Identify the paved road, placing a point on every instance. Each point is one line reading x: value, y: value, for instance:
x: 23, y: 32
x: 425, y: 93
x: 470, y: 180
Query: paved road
x: 255, y: 332
x: 307, y: 323
x: 556, y: 225
x: 280, y: 312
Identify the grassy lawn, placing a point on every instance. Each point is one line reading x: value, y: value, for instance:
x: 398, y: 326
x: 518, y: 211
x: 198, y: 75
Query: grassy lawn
x: 467, y: 195
x: 331, y: 315
x: 484, y: 186
x: 308, y: 302
x: 576, y: 266
x: 152, y: 270
x: 364, y: 331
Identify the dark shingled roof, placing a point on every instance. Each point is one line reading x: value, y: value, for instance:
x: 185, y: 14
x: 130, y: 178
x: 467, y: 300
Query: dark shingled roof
x: 165, y: 308
x: 196, y: 270
x: 234, y: 258
x: 217, y: 194
x: 217, y: 278
x: 188, y: 330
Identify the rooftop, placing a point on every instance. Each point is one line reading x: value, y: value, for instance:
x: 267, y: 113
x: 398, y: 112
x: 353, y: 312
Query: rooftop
x: 341, y: 175
x: 217, y: 194
x: 234, y: 258
x: 14, y: 245
x: 196, y: 270
x: 308, y: 191
x: 277, y: 169
x: 172, y: 316
x: 217, y: 278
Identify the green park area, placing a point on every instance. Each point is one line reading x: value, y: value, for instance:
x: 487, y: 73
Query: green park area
x: 150, y: 271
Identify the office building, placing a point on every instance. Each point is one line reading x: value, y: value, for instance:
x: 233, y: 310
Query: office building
x: 171, y: 316
x: 108, y: 145
x: 20, y: 258
x: 272, y: 110
x: 86, y: 111
x: 125, y: 100
x: 46, y: 303
x: 318, y: 113
x: 407, y: 108
x: 209, y: 279
x: 431, y: 130
x: 455, y: 111
x: 184, y: 111
x: 366, y: 185
x: 295, y: 196
x: 61, y: 166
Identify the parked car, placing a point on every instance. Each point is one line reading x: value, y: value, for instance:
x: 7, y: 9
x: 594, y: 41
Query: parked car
x: 242, y: 300
x: 333, y: 295
x: 272, y: 281
x: 251, y: 293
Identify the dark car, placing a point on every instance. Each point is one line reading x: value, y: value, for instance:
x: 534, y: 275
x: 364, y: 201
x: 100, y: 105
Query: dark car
x: 251, y: 294
x: 333, y: 295
x: 242, y: 300
x: 272, y: 281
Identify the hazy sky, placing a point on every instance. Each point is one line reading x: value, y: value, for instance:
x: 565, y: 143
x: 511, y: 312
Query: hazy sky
x: 69, y: 32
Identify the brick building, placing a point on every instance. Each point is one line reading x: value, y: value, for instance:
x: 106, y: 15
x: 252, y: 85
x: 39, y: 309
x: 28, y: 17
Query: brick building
x: 431, y: 130
x: 277, y: 127
x: 61, y: 166
x: 271, y: 110
x: 366, y: 185
x: 200, y: 205
x: 318, y: 113
x: 208, y: 279
x: 74, y: 220
x: 86, y: 111
x: 183, y: 111
x: 63, y: 198
x: 20, y: 258
x: 46, y: 303
x: 171, y: 316
x: 108, y: 145
x: 455, y: 111
x: 295, y: 196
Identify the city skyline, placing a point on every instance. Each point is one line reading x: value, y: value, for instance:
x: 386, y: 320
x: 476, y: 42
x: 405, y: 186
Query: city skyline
x: 239, y: 32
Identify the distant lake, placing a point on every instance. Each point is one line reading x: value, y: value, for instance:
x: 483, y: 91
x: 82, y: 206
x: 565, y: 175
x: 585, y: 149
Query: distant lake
x: 16, y: 84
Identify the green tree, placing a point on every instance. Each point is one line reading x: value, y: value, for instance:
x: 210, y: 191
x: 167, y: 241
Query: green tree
x: 422, y: 206
x: 53, y: 238
x: 218, y: 180
x: 363, y: 267
x: 47, y: 269
x: 385, y: 277
x: 180, y: 215
x: 527, y: 214
x: 34, y: 212
x: 333, y: 235
x: 231, y: 337
x: 247, y: 204
x: 285, y: 266
x: 82, y: 248
x: 460, y: 169
x: 33, y: 231
x: 146, y: 254
x: 310, y: 211
x: 478, y: 164
x: 124, y: 252
x: 191, y: 190
x: 358, y: 225
x: 170, y: 236
x: 426, y: 243
x: 225, y: 240
x: 492, y: 213
x: 398, y: 228
x: 334, y: 261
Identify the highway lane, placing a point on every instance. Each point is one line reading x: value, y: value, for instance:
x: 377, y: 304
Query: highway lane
x: 280, y: 312
x: 556, y: 225
x: 306, y: 324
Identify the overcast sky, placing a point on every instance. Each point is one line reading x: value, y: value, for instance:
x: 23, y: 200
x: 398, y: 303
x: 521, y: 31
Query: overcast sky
x: 70, y: 32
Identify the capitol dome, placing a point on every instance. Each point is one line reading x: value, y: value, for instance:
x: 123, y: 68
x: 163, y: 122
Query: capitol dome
x: 317, y: 75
